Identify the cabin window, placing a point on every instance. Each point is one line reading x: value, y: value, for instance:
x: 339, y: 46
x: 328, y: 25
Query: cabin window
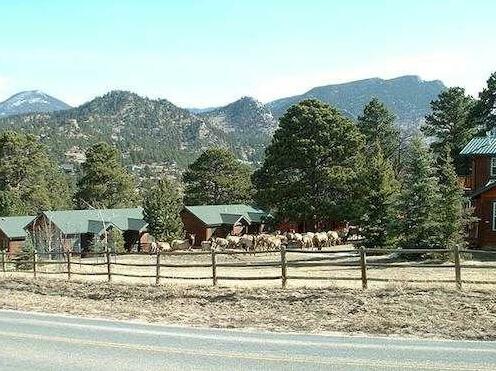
x: 494, y: 217
x: 493, y: 167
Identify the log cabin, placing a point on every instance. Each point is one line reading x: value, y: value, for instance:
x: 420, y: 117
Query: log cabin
x: 12, y: 233
x: 481, y: 186
x: 206, y: 221
x: 75, y: 230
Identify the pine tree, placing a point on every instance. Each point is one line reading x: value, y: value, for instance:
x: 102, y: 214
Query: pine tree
x: 29, y: 179
x: 379, y: 201
x: 311, y: 166
x: 484, y: 113
x: 105, y: 183
x: 419, y: 199
x: 451, y: 213
x: 377, y: 125
x: 116, y: 241
x: 25, y: 256
x: 450, y: 125
x: 217, y: 177
x: 96, y: 245
x: 161, y: 208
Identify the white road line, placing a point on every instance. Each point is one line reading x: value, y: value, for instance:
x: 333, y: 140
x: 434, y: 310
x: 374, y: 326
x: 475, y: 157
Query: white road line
x: 218, y: 337
x: 247, y: 356
x: 241, y: 331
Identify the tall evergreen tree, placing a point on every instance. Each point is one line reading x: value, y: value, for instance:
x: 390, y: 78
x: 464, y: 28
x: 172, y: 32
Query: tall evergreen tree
x: 377, y: 125
x: 451, y: 212
x: 23, y: 259
x: 116, y: 241
x: 161, y: 208
x: 105, y: 183
x: 30, y: 181
x: 419, y: 199
x: 450, y: 124
x: 311, y: 166
x: 484, y: 113
x: 217, y: 177
x: 379, y: 201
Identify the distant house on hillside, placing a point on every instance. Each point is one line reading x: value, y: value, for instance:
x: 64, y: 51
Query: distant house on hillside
x: 12, y: 232
x: 221, y: 220
x: 482, y: 192
x: 74, y: 230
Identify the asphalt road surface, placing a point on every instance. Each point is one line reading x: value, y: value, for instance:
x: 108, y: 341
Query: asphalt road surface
x: 31, y: 341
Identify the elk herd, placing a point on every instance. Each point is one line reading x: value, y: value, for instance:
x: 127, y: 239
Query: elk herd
x: 274, y: 241
x: 261, y: 242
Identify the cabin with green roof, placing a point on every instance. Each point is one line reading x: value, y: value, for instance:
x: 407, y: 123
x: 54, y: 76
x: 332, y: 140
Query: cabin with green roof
x: 206, y: 221
x: 482, y: 188
x: 75, y: 230
x: 12, y: 232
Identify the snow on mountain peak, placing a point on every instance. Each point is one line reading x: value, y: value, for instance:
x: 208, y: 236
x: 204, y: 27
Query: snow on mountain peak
x: 30, y: 101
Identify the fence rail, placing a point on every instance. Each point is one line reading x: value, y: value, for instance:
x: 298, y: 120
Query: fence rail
x: 324, y: 260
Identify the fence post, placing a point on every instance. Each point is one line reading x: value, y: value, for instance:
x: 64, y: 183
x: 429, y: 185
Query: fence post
x: 69, y: 253
x: 35, y: 259
x: 157, y: 272
x: 3, y: 261
x: 109, y: 273
x: 283, y: 266
x: 458, y: 268
x: 214, y: 269
x: 363, y: 266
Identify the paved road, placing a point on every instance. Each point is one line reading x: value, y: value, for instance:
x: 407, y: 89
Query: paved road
x: 30, y: 341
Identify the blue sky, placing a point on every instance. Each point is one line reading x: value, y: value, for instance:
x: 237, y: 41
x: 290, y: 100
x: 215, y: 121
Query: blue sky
x: 200, y: 53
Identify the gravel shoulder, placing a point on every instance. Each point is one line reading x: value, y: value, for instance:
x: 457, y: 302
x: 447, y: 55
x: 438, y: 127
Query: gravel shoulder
x: 395, y: 310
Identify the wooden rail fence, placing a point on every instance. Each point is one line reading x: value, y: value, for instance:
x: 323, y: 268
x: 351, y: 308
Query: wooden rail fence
x: 282, y: 263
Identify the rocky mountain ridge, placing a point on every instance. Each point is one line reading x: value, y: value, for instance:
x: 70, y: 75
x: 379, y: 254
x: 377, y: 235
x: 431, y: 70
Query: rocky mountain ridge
x: 157, y: 133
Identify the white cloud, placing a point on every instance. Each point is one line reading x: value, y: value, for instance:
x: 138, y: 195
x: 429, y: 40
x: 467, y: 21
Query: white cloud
x: 195, y: 86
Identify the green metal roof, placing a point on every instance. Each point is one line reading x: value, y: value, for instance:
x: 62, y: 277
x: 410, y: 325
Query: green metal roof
x: 215, y: 215
x: 98, y: 226
x: 231, y: 219
x: 13, y: 226
x: 136, y: 224
x: 480, y: 146
x: 93, y: 221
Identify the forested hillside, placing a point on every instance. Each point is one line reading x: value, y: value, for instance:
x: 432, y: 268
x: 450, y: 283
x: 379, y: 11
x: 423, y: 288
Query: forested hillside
x: 145, y: 130
x: 248, y: 122
x: 408, y: 97
x: 156, y: 134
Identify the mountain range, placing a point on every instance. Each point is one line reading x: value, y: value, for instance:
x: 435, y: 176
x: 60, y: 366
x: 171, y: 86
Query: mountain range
x: 157, y: 133
x: 245, y: 116
x: 407, y: 96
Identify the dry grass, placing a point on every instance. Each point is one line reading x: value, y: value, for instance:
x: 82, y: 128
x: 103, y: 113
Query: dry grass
x: 400, y: 310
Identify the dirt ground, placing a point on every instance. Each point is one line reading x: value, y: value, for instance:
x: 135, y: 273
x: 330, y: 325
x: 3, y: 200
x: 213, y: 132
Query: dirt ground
x: 392, y: 310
